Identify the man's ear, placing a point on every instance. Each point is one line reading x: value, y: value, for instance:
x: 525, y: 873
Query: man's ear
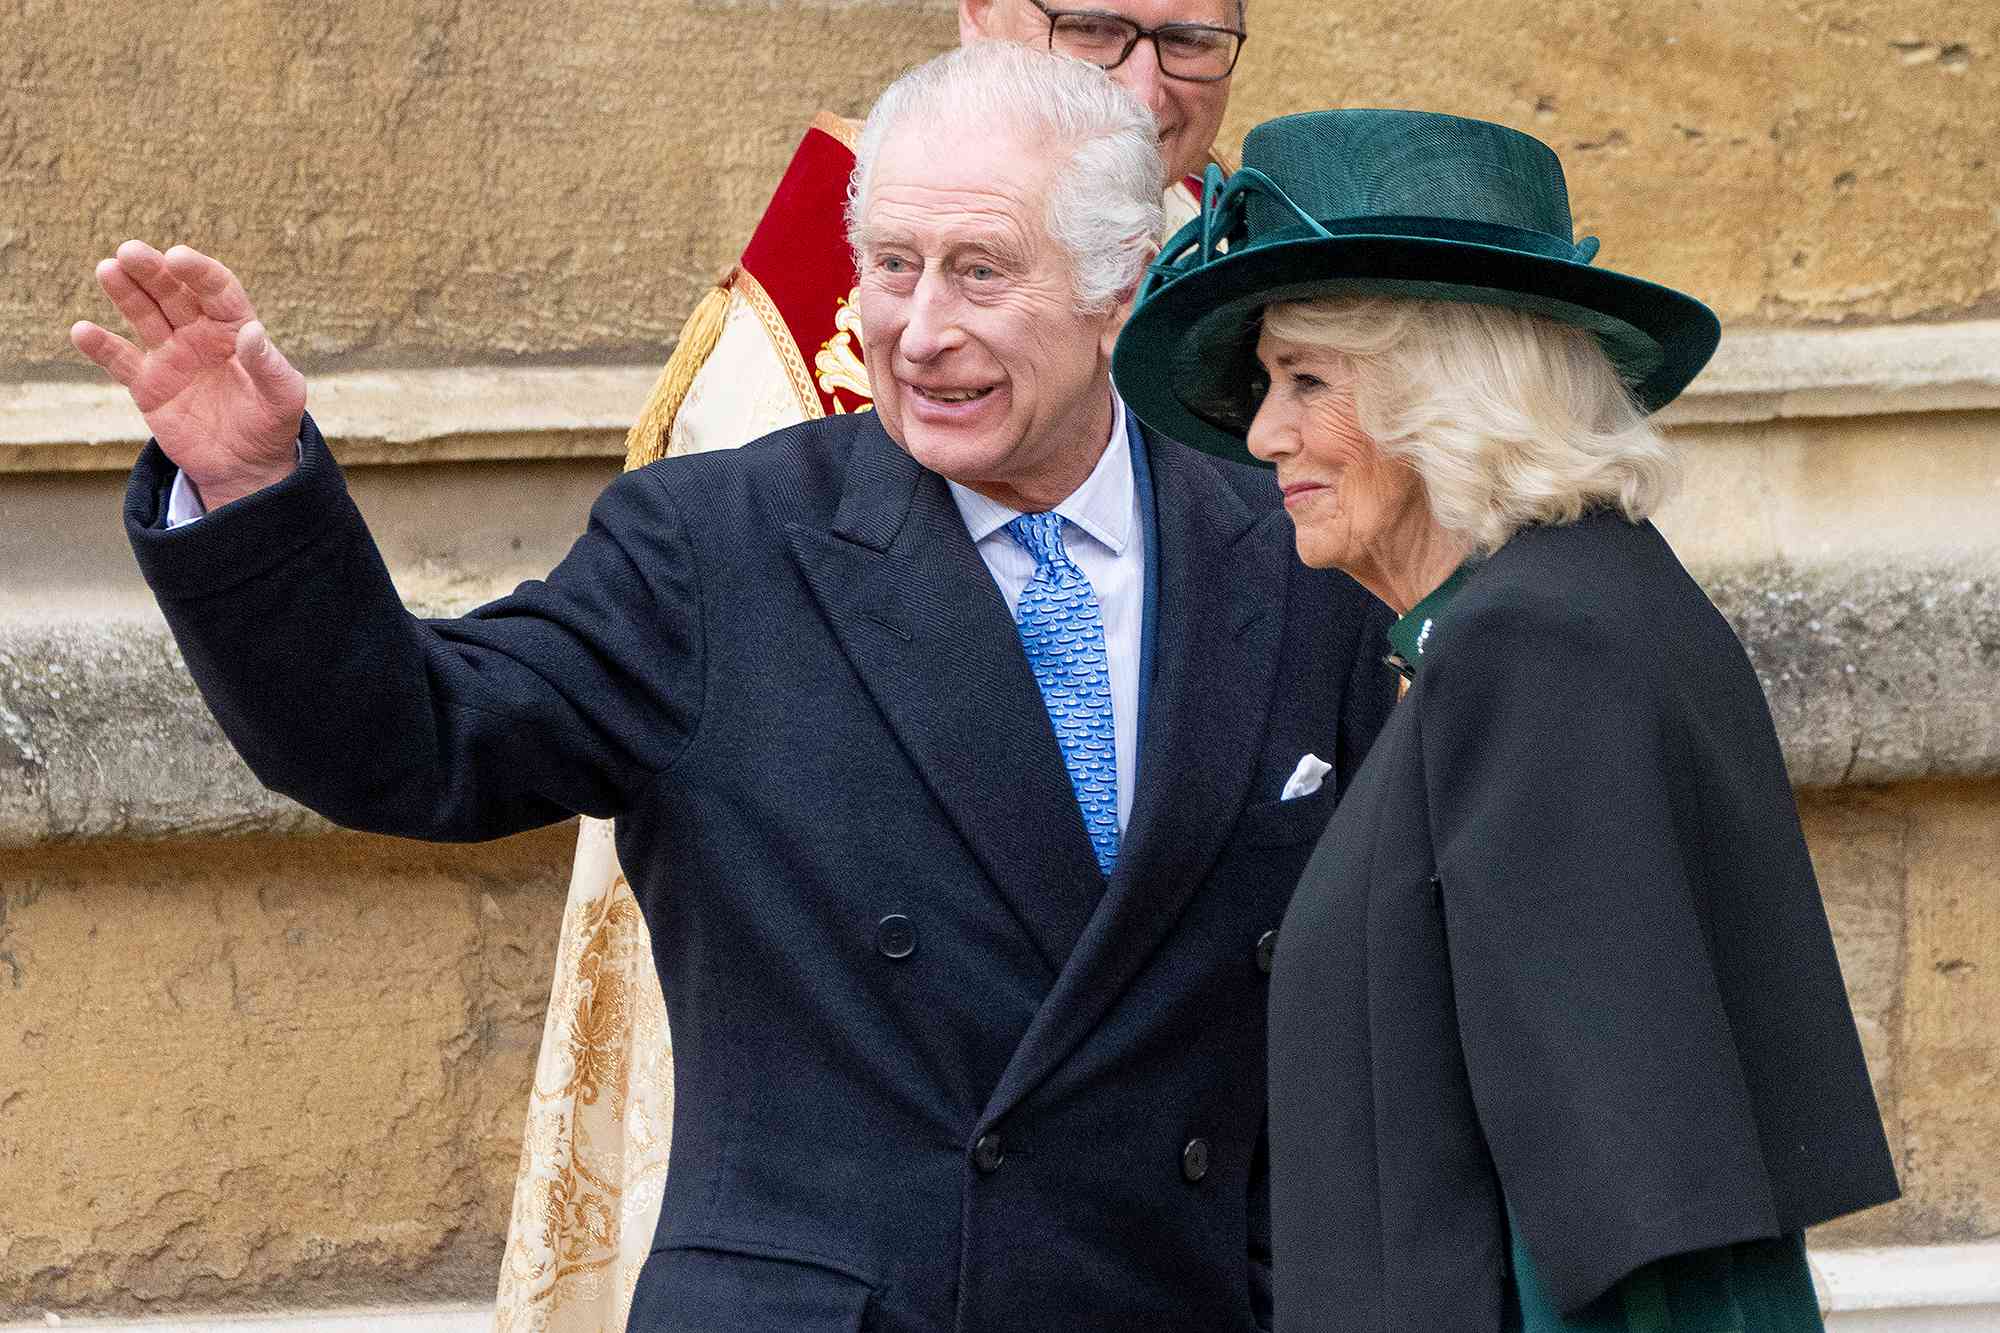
x: 975, y: 20
x: 1126, y: 299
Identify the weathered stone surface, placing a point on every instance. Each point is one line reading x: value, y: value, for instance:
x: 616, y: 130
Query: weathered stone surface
x: 108, y: 739
x: 1860, y: 841
x: 1874, y: 674
x: 1907, y: 873
x: 420, y: 180
x: 1914, y: 490
x: 266, y: 1073
x: 403, y: 183
x: 1764, y: 156
x: 1951, y: 1021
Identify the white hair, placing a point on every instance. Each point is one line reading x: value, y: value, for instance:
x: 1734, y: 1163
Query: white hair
x: 1103, y: 204
x: 1509, y: 418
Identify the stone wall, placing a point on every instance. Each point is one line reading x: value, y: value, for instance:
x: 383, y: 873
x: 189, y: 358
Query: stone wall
x: 428, y: 180
x: 249, y: 1062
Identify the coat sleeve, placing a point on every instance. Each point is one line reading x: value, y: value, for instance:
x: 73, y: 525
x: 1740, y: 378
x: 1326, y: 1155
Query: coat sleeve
x: 567, y: 696
x: 1600, y: 1059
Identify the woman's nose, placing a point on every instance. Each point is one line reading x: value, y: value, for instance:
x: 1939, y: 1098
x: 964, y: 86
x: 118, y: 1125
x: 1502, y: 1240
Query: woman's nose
x: 1270, y: 437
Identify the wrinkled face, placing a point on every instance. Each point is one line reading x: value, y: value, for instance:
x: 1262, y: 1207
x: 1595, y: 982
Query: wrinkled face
x: 983, y: 369
x: 1188, y: 114
x: 1351, y: 508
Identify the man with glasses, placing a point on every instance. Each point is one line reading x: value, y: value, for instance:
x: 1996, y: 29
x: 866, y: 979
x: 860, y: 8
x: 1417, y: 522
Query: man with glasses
x: 777, y: 342
x: 1176, y: 56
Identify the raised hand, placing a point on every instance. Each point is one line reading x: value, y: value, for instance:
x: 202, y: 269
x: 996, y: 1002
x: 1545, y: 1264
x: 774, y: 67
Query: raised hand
x: 224, y: 404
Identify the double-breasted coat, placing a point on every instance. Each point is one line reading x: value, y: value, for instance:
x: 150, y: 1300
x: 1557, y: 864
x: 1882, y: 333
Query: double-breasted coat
x: 932, y: 1072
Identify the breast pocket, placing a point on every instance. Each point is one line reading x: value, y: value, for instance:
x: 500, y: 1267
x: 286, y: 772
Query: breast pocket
x: 702, y: 1288
x: 1283, y: 823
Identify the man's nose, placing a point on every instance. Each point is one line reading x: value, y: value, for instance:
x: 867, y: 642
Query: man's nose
x: 933, y: 324
x: 1141, y: 76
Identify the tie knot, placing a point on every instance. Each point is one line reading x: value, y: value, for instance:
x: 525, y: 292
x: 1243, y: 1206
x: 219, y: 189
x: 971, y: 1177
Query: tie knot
x: 1040, y: 535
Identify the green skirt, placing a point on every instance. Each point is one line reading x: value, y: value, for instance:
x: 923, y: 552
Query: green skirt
x: 1759, y: 1286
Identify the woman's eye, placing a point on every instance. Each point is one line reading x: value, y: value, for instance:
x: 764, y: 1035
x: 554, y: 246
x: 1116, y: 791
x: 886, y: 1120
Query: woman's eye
x: 1306, y: 382
x: 893, y: 264
x: 982, y: 273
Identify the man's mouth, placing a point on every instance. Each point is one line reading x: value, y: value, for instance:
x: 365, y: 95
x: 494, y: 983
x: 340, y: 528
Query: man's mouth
x: 943, y: 395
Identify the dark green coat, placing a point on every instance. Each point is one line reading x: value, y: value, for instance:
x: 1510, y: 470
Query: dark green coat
x: 1559, y: 954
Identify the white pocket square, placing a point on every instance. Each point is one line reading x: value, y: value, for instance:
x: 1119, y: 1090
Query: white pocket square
x: 1305, y: 779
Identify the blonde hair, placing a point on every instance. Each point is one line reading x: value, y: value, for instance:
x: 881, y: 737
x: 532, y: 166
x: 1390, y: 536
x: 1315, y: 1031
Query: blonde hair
x: 1509, y: 418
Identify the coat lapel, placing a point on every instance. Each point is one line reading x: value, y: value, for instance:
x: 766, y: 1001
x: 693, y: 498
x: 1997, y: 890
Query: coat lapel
x: 1219, y: 625
x: 916, y: 612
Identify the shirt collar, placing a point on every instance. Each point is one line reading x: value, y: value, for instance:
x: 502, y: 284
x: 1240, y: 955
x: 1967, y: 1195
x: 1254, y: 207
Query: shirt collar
x: 1415, y: 634
x: 1101, y: 507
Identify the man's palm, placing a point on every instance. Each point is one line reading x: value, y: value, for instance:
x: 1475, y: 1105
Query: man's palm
x: 220, y: 399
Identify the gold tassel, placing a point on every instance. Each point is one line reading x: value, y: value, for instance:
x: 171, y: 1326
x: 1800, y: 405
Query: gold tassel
x: 647, y: 441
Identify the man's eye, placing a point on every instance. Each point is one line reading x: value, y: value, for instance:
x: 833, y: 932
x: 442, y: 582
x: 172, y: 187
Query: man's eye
x: 982, y: 273
x: 1084, y: 28
x: 1192, y: 41
x: 893, y: 264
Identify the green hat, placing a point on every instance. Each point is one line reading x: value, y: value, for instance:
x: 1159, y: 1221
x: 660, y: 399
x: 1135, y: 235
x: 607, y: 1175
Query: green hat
x: 1399, y: 203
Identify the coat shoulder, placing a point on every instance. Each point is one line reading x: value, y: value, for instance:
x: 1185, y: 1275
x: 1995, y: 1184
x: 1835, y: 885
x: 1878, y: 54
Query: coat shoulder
x: 792, y: 475
x: 1608, y: 583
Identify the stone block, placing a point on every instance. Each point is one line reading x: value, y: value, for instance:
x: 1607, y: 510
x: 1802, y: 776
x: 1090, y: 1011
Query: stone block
x: 1908, y: 874
x: 258, y: 1073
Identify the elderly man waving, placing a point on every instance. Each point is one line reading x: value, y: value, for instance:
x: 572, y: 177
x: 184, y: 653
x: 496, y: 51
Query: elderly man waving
x: 941, y: 740
x: 777, y: 341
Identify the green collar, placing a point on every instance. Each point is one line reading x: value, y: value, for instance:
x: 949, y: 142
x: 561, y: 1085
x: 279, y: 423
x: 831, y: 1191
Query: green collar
x: 1416, y: 633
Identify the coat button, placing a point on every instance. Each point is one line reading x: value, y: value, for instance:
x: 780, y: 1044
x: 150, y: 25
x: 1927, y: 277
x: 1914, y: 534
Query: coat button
x: 895, y: 936
x: 987, y: 1153
x: 1194, y: 1160
x: 1267, y: 949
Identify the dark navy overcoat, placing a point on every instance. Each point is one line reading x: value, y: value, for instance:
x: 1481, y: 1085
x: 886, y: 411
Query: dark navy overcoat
x: 1030, y: 1101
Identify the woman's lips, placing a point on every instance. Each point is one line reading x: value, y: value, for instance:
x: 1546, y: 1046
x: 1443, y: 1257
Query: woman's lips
x: 1299, y: 490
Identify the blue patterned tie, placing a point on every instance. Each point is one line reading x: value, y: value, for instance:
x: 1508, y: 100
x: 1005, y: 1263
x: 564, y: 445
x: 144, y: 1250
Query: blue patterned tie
x: 1062, y: 632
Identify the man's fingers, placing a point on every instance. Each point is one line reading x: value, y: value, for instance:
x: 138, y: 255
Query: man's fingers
x: 138, y: 308
x: 118, y: 359
x: 221, y: 296
x: 148, y: 268
x: 264, y: 363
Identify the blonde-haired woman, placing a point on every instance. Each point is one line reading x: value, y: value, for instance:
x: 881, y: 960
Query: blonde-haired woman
x: 1558, y: 1038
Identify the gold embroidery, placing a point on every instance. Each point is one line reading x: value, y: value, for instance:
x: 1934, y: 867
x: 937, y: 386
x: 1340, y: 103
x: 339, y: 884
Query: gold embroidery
x: 840, y: 366
x: 847, y: 132
x: 594, y: 1151
x: 781, y: 338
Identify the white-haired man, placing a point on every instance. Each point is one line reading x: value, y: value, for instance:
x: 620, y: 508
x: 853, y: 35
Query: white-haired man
x: 775, y: 343
x: 949, y: 744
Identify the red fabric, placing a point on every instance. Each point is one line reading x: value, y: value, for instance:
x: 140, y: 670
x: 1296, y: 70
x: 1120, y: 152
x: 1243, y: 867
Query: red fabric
x: 799, y: 252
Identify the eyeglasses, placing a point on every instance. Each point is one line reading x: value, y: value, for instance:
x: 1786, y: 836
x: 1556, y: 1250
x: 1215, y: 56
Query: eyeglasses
x: 1192, y: 51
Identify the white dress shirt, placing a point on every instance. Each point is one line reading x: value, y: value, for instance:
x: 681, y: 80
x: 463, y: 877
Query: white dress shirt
x: 1106, y: 539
